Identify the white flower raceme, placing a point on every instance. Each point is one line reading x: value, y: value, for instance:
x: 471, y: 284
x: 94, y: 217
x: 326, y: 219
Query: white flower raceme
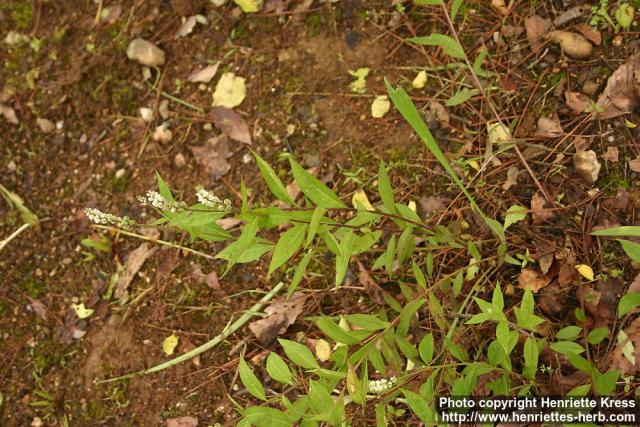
x: 98, y: 217
x: 208, y: 199
x: 156, y: 200
x: 382, y: 385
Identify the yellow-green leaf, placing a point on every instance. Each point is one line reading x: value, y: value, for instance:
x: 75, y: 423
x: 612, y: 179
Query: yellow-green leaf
x: 230, y: 91
x: 169, y: 344
x: 81, y: 311
x: 585, y: 271
x: 249, y: 6
x: 380, y: 107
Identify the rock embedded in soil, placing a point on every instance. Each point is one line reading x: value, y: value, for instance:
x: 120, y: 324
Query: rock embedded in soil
x: 45, y: 125
x: 572, y: 44
x: 162, y: 134
x: 145, y: 52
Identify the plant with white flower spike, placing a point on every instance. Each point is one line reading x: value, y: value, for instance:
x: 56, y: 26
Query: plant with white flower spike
x: 156, y: 200
x: 98, y: 217
x: 382, y: 385
x: 210, y: 200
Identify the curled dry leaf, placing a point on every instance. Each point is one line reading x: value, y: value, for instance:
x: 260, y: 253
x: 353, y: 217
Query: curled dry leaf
x: 611, y: 155
x: 536, y: 27
x: 213, y: 156
x: 634, y: 164
x: 501, y: 6
x: 512, y: 178
x: 440, y: 112
x: 587, y: 166
x: 539, y: 212
x: 431, y: 205
x: 282, y: 314
x: 590, y: 33
x: 622, y: 93
x: 373, y: 289
x: 187, y: 27
x: 532, y: 279
x: 132, y: 264
x: 205, y: 74
x: 231, y: 123
x: 549, y: 127
x: 569, y: 15
x: 573, y: 45
x: 577, y: 101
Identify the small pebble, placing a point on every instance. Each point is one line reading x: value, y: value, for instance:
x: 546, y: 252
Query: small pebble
x: 145, y: 52
x: 45, y: 125
x: 162, y: 134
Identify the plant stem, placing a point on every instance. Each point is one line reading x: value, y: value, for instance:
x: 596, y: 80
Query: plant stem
x: 226, y: 332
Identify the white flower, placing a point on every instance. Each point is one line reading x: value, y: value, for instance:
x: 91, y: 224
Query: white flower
x: 156, y: 200
x: 382, y: 385
x: 98, y: 217
x: 207, y: 198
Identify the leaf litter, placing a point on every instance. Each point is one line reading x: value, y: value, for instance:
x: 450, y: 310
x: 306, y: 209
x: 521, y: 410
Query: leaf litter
x: 281, y: 314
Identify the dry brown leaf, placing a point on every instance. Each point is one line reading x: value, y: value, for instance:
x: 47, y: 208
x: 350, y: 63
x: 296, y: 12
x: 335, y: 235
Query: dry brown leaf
x: 440, y: 112
x: 532, y: 279
x: 282, y: 314
x: 634, y: 164
x: 512, y: 178
x: 9, y: 114
x: 205, y: 74
x: 539, y: 212
x: 213, y: 156
x: 569, y: 15
x: 38, y: 308
x: 182, y: 422
x: 590, y: 33
x: 213, y: 281
x: 132, y: 264
x: 231, y: 123
x: 549, y: 127
x: 536, y: 27
x: 619, y: 360
x: 373, y: 289
x: 587, y: 166
x: 611, y: 155
x: 431, y: 205
x: 577, y: 101
x: 228, y: 223
x: 501, y: 6
x: 621, y: 95
x: 573, y: 45
x: 568, y: 275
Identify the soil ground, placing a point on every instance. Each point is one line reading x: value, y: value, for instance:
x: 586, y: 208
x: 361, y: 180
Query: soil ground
x: 298, y: 101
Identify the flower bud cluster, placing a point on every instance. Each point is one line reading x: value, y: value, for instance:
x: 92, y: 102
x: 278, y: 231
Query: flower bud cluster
x: 98, y: 217
x: 382, y: 385
x: 156, y: 200
x: 208, y: 199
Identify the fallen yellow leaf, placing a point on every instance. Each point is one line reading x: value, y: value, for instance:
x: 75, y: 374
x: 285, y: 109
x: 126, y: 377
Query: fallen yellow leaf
x: 359, y: 200
x: 323, y: 350
x: 585, y: 271
x: 169, y: 344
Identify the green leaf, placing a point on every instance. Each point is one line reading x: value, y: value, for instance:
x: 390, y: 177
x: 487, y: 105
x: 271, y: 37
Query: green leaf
x: 354, y: 386
x: 514, y: 214
x: 336, y: 333
x: 403, y: 103
x: 524, y: 314
x: 567, y: 347
x: 318, y: 213
x: 163, y: 188
x: 627, y: 303
x: 264, y: 416
x: 426, y: 348
x: 530, y: 358
x: 449, y: 45
x: 570, y: 333
x: 455, y: 7
x: 624, y: 15
x: 605, y: 384
x: 342, y: 260
x: 631, y: 249
x: 367, y: 321
x: 250, y: 381
x: 287, y: 245
x: 460, y: 97
x: 458, y: 281
x: 278, y: 369
x: 597, y: 335
x: 627, y: 230
x: 389, y: 254
x: 315, y: 190
x: 299, y: 354
x: 408, y: 314
x: 579, y: 391
x: 420, y: 407
x: 429, y: 2
x: 385, y: 190
x: 406, y: 245
x: 419, y: 275
x: 299, y: 272
x: 273, y: 181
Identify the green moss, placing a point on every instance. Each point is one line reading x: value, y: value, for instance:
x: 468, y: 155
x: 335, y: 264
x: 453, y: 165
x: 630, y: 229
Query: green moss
x: 33, y: 287
x: 315, y: 22
x: 21, y: 14
x: 612, y: 181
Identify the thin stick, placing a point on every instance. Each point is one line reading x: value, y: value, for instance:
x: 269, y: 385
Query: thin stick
x: 13, y: 235
x: 226, y: 332
x: 150, y: 239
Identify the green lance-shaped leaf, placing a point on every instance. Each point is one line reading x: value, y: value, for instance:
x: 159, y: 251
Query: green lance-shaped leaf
x: 315, y: 190
x: 273, y: 182
x: 299, y: 354
x: 449, y: 45
x: 278, y: 369
x: 250, y: 381
x: 287, y: 245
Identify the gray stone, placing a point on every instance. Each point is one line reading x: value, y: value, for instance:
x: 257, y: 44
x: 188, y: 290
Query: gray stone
x: 146, y: 53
